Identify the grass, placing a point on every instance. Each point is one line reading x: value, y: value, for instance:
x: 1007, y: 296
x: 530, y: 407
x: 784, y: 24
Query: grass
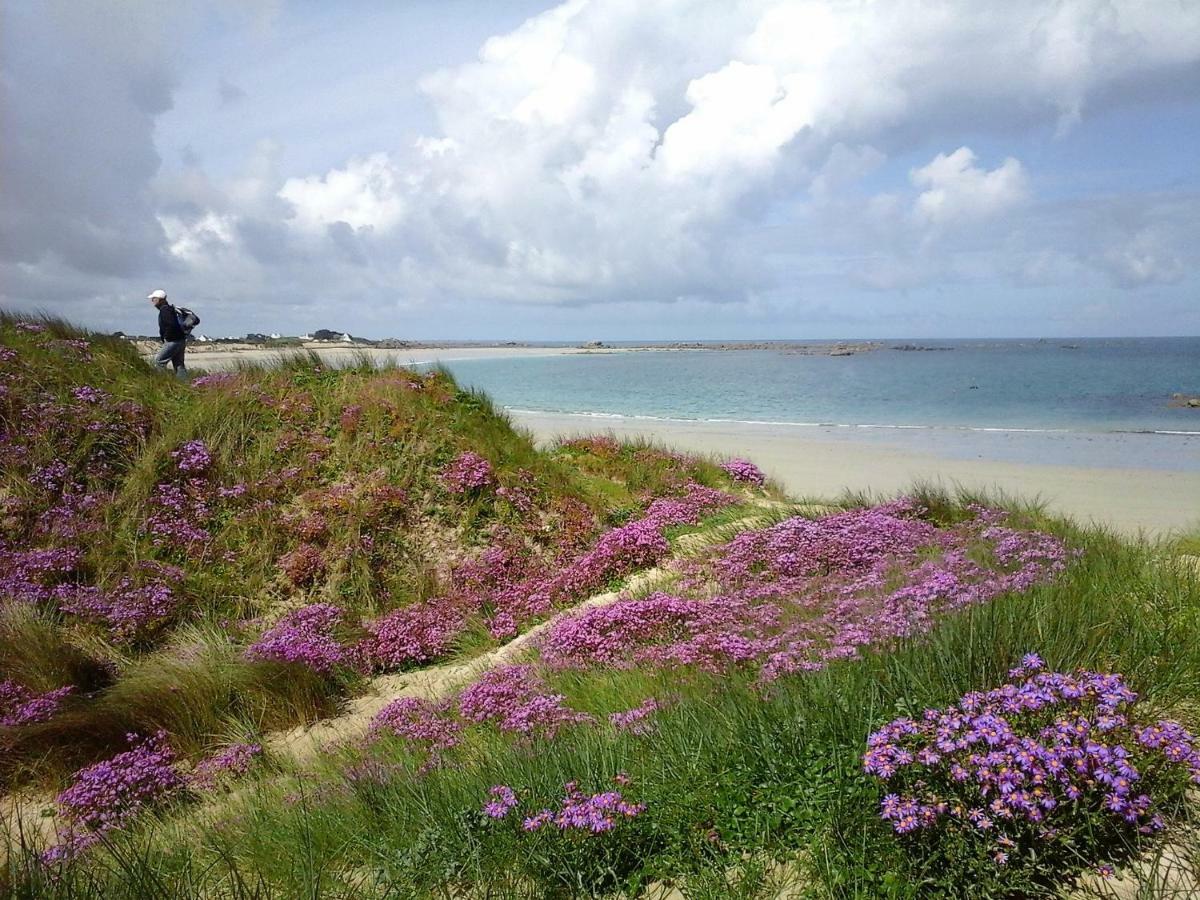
x: 746, y: 788
x: 188, y: 674
x: 741, y: 788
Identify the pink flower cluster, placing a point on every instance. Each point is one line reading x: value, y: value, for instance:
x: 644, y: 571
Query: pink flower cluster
x: 517, y: 700
x: 793, y: 597
x: 637, y: 721
x: 467, y: 472
x: 430, y: 726
x: 513, y: 698
x: 1026, y: 765
x: 109, y: 794
x: 510, y: 589
x: 305, y: 637
x: 233, y: 761
x: 20, y: 706
x: 744, y: 471
x: 129, y: 610
x: 577, y: 811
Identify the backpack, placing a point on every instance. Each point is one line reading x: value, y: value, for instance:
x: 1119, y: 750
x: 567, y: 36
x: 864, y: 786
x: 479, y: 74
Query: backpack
x: 187, y: 319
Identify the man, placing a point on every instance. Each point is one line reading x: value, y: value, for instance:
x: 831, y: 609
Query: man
x: 173, y: 336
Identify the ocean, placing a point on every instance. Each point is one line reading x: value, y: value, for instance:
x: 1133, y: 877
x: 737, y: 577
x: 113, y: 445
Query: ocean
x: 949, y: 395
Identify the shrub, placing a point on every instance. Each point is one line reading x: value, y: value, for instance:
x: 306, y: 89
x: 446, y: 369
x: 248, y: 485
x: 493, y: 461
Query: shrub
x: 1015, y: 785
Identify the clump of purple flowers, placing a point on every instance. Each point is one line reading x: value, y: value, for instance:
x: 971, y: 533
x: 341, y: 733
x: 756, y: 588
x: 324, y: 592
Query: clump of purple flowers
x: 637, y: 721
x: 87, y: 394
x: 466, y: 472
x: 517, y: 700
x: 577, y: 812
x: 192, y: 458
x: 109, y: 794
x: 744, y: 471
x: 305, y: 637
x: 20, y: 706
x: 214, y: 380
x: 798, y: 595
x: 504, y: 801
x: 180, y: 516
x: 30, y: 576
x: 416, y: 633
x: 129, y: 610
x: 1033, y: 767
x: 430, y: 726
x: 231, y: 762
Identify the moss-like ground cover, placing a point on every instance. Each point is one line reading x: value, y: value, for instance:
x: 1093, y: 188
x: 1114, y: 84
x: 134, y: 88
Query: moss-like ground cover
x: 933, y: 696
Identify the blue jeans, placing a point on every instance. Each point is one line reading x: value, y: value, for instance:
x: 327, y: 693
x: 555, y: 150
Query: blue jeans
x: 172, y: 352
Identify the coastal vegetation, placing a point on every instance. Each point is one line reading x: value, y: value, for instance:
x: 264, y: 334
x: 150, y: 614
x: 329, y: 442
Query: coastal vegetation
x: 295, y: 631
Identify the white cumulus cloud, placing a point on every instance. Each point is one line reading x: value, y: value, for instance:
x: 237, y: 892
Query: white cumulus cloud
x: 617, y: 151
x: 364, y: 194
x: 956, y: 190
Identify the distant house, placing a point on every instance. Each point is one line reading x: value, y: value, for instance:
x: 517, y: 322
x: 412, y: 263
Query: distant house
x: 306, y: 337
x: 347, y: 339
x: 275, y: 335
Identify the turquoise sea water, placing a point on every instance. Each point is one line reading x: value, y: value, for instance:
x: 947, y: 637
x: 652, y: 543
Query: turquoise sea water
x: 1080, y: 390
x: 1101, y: 385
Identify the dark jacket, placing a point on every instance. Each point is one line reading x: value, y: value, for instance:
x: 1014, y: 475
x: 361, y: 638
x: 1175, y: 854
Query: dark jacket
x: 168, y: 324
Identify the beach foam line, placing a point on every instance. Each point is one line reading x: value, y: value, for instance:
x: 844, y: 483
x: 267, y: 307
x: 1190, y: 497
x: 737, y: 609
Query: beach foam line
x: 986, y: 429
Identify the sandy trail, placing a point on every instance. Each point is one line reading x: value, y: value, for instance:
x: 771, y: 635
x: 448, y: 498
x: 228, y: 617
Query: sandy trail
x: 436, y: 682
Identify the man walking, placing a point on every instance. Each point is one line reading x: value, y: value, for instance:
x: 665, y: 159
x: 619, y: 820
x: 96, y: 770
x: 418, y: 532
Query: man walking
x: 173, y: 336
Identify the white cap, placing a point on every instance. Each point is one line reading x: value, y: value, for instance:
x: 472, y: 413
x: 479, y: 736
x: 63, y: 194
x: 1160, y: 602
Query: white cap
x: 160, y: 294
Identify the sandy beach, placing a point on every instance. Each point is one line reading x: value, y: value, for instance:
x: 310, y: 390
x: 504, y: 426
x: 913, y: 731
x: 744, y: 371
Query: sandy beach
x: 809, y: 463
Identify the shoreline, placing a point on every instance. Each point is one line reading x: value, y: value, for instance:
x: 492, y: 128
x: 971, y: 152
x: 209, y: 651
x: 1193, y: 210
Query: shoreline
x: 1128, y: 499
x: 1084, y: 475
x: 226, y: 357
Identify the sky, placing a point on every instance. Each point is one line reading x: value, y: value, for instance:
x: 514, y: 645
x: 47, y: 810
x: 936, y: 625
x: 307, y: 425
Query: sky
x: 605, y: 169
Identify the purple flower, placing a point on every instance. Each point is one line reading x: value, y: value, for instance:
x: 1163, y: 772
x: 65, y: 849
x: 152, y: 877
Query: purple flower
x: 193, y: 457
x: 305, y: 637
x: 428, y: 725
x: 231, y: 762
x: 637, y: 720
x: 744, y: 471
x: 502, y: 803
x: 109, y: 794
x: 19, y: 706
x: 467, y: 472
x: 1041, y: 757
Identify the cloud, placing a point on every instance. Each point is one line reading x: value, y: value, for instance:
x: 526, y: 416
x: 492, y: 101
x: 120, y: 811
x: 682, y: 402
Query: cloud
x: 1146, y: 258
x: 364, y: 194
x: 956, y: 190
x: 229, y: 93
x: 605, y: 151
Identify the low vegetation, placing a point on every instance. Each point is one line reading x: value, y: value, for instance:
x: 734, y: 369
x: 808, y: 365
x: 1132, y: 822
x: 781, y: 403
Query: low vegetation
x: 596, y: 669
